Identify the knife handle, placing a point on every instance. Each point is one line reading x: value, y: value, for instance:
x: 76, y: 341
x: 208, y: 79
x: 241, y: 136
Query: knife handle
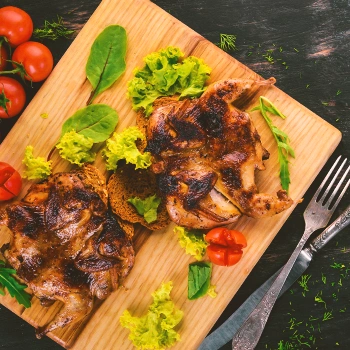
x: 339, y: 224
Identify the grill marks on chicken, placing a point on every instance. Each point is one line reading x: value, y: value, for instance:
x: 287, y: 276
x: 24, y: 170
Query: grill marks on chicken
x: 205, y: 154
x: 65, y: 244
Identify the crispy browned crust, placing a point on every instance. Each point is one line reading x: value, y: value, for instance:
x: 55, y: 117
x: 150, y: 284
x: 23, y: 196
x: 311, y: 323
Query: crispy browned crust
x: 127, y: 227
x: 142, y: 121
x: 127, y: 182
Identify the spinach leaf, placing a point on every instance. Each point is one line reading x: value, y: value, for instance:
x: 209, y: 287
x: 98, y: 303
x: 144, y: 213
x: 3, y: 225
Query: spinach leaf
x: 15, y: 288
x: 106, y: 62
x: 199, y: 274
x: 94, y: 121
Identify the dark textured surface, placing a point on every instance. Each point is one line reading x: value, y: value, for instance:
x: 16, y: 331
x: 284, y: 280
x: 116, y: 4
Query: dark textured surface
x: 314, y: 37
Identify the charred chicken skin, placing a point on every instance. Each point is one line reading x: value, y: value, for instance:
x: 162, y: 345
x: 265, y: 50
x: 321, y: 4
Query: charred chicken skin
x: 205, y: 153
x: 65, y: 245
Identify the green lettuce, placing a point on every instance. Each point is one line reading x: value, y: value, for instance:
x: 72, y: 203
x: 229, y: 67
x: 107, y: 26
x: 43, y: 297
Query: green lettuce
x: 123, y: 146
x: 192, y: 241
x: 155, y: 329
x: 147, y: 207
x: 166, y: 74
x: 36, y: 168
x: 76, y: 148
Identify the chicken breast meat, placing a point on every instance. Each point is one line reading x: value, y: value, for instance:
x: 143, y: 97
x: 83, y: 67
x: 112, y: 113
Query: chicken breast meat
x: 205, y: 153
x: 65, y: 245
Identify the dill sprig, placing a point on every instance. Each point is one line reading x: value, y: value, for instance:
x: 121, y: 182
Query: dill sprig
x: 227, y: 42
x: 303, y: 283
x: 282, y: 139
x: 53, y: 30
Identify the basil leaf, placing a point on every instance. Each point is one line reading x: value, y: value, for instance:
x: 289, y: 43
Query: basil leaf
x: 199, y: 274
x: 94, y: 121
x: 106, y: 62
x: 15, y: 288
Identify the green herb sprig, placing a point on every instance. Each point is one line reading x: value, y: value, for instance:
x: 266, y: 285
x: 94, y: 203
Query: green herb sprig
x: 15, y: 288
x: 227, y: 42
x: 53, y: 30
x: 282, y: 139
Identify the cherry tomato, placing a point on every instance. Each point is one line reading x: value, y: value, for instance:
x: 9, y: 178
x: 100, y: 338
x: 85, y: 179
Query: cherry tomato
x: 3, y: 57
x: 15, y: 25
x: 10, y: 182
x: 12, y: 90
x: 36, y: 59
x: 225, y: 246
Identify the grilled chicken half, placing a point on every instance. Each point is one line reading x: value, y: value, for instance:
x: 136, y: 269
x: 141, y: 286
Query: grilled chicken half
x: 205, y: 153
x: 65, y: 245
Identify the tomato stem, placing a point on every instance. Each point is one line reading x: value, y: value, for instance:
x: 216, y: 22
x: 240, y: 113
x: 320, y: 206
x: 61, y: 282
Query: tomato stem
x: 3, y: 102
x: 19, y: 69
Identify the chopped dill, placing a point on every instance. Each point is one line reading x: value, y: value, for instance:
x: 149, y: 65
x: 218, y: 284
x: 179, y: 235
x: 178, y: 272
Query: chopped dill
x: 328, y: 315
x: 338, y: 92
x: 324, y: 278
x: 296, y: 50
x: 227, y: 42
x: 53, y: 30
x: 337, y: 266
x: 303, y: 283
x: 318, y: 299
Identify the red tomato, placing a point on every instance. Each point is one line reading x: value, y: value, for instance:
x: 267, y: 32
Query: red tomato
x: 12, y: 90
x: 10, y: 182
x: 15, y: 25
x: 225, y: 246
x: 36, y: 59
x: 3, y: 57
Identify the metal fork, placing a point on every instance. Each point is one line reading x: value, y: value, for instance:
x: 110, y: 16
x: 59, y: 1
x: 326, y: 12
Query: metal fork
x: 316, y: 215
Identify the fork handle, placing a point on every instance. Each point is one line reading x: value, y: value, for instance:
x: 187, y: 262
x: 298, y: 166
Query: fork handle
x: 339, y: 224
x: 250, y: 332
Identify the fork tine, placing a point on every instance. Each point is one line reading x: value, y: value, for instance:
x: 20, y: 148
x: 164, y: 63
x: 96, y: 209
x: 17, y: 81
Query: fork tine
x: 336, y: 190
x: 332, y: 182
x: 325, y: 179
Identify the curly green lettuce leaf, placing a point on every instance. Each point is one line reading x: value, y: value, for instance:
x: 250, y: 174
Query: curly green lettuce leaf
x: 147, y: 207
x: 36, y: 168
x: 192, y: 241
x: 155, y: 330
x: 123, y: 146
x: 76, y: 148
x: 166, y: 74
x: 193, y: 74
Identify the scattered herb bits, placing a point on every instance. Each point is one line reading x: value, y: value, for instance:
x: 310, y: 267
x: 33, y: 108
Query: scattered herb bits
x: 53, y: 30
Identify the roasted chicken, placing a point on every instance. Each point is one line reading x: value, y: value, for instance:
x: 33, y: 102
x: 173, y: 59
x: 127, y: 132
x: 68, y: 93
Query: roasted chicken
x: 205, y: 152
x: 65, y: 245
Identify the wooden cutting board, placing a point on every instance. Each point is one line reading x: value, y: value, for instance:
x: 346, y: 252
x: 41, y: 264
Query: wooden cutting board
x: 159, y: 256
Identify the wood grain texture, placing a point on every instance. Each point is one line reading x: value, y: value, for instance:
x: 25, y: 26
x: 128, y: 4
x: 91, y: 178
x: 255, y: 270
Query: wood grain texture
x: 67, y: 90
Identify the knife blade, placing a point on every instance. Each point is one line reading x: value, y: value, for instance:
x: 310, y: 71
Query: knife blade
x: 228, y: 329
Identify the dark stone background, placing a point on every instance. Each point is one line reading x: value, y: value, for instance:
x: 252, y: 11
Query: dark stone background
x: 315, y: 41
